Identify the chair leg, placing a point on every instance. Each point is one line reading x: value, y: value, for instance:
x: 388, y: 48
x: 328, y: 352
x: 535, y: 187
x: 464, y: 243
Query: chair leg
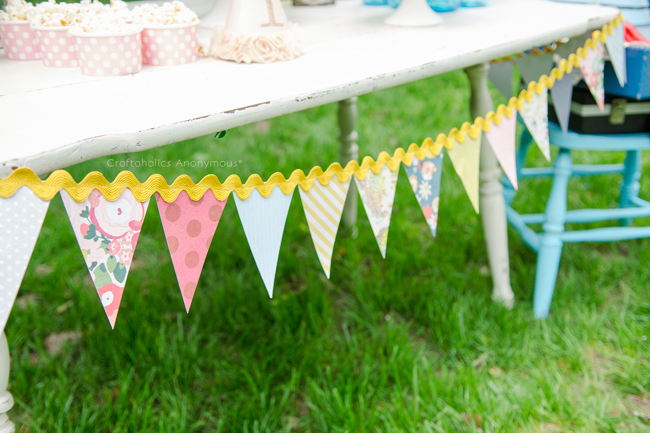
x: 550, y: 249
x: 630, y: 185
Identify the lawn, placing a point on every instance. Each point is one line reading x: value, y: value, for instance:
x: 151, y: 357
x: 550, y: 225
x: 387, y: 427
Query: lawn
x: 412, y: 343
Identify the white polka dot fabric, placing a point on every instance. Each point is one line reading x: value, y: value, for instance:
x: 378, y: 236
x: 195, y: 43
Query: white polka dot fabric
x: 176, y: 45
x: 109, y: 55
x: 21, y: 218
x: 20, y: 41
x: 57, y: 48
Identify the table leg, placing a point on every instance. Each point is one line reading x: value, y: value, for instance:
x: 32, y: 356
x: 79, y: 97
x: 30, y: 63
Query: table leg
x: 6, y: 400
x: 492, y: 203
x: 349, y: 151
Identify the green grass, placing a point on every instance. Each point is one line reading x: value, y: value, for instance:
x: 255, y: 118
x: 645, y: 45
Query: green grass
x: 412, y: 343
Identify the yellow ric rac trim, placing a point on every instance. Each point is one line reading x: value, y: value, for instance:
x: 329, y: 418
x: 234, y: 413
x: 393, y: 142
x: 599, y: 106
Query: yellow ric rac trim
x: 61, y: 179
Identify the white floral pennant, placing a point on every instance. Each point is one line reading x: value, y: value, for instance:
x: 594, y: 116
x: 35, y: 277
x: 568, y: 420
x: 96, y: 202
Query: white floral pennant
x: 424, y: 176
x: 21, y: 218
x: 377, y: 194
x: 593, y: 71
x: 535, y: 115
x: 107, y: 232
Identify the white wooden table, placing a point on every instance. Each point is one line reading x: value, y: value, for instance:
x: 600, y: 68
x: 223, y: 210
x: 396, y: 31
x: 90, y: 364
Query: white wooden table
x: 52, y: 118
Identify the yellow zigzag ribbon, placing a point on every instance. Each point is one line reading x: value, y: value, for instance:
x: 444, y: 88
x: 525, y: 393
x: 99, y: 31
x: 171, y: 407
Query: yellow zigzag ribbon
x: 61, y: 179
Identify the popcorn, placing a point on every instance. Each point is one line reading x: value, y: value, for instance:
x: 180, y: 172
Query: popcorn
x: 53, y: 14
x: 18, y: 10
x: 167, y: 14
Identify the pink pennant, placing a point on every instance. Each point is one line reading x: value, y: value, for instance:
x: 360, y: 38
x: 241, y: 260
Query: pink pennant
x: 593, y: 71
x: 189, y: 227
x: 502, y: 140
x: 107, y: 232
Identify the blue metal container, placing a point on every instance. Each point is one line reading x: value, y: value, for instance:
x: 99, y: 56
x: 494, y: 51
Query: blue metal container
x: 638, y: 74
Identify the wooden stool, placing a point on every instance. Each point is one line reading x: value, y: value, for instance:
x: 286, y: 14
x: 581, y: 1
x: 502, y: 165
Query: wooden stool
x: 548, y: 244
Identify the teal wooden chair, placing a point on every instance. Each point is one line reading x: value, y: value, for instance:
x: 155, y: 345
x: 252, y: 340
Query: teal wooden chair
x: 548, y: 244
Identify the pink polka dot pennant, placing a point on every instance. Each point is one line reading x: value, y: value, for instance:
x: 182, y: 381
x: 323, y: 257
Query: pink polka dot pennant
x: 189, y: 227
x: 20, y: 41
x: 175, y: 45
x: 57, y: 48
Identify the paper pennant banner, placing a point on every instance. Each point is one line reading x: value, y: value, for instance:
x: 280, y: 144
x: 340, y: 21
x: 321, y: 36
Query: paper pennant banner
x: 500, y: 75
x: 377, y: 194
x: 533, y: 67
x: 263, y: 220
x: 502, y: 140
x: 189, y: 227
x: 535, y: 115
x: 107, y: 232
x: 465, y: 157
x: 593, y: 71
x: 561, y: 92
x: 424, y: 177
x: 616, y: 51
x: 323, y: 207
x: 21, y: 218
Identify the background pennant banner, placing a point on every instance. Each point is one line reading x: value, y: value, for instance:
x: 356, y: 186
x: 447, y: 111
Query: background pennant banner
x: 465, y: 157
x: 535, y: 115
x: 107, y: 232
x: 425, y: 176
x: 616, y: 50
x: 502, y: 140
x: 500, y: 74
x: 263, y: 220
x: 21, y: 219
x: 377, y: 194
x: 189, y: 227
x: 561, y: 93
x: 532, y: 67
x: 593, y: 71
x: 323, y: 207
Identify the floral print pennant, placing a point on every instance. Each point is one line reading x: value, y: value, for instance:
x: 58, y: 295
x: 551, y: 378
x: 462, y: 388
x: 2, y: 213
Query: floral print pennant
x: 593, y: 71
x: 424, y: 176
x: 107, y: 232
x: 377, y: 194
x: 535, y: 115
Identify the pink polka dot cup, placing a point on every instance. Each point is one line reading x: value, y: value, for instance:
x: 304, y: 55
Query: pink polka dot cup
x: 19, y: 40
x: 118, y: 53
x: 57, y: 48
x: 170, y: 45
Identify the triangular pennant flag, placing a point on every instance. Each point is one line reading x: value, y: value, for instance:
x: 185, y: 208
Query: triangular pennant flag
x: 263, y: 220
x: 561, y: 93
x: 534, y: 66
x: 502, y: 140
x: 424, y: 176
x: 323, y: 205
x: 21, y: 218
x: 377, y: 193
x: 535, y: 115
x: 189, y: 227
x: 107, y: 232
x: 593, y: 71
x: 465, y: 157
x: 616, y: 50
x: 500, y: 74
x: 564, y: 50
